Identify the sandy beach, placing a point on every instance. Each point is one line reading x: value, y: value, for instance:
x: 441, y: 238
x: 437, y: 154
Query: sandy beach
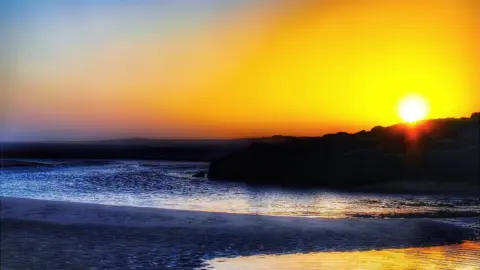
x: 39, y: 234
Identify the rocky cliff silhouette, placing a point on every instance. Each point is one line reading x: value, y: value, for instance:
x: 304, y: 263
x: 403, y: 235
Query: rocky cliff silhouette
x: 440, y: 151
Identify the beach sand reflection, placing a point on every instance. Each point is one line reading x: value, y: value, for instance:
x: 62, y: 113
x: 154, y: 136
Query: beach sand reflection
x: 464, y: 256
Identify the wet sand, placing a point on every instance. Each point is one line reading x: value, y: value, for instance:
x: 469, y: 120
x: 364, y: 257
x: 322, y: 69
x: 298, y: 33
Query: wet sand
x: 58, y: 235
x: 465, y: 256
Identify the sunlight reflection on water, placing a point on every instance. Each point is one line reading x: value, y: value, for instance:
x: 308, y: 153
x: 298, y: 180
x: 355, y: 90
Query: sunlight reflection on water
x: 464, y: 256
x: 171, y: 185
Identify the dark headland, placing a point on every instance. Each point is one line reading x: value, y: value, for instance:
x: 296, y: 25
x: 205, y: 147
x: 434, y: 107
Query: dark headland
x: 438, y: 155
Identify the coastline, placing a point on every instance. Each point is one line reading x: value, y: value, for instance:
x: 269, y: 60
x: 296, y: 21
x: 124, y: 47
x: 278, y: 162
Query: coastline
x: 54, y: 232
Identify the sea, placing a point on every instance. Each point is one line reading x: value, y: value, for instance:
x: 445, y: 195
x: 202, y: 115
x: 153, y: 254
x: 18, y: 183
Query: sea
x: 172, y: 185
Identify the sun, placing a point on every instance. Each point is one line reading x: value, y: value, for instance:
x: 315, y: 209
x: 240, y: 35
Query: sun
x: 413, y: 108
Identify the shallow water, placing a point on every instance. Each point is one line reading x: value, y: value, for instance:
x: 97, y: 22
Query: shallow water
x: 465, y: 256
x: 171, y: 185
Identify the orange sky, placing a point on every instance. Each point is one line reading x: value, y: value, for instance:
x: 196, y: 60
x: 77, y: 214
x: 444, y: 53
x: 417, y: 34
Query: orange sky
x: 247, y: 68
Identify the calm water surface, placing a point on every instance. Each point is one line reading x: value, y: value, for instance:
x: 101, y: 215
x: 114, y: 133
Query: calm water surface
x: 464, y: 256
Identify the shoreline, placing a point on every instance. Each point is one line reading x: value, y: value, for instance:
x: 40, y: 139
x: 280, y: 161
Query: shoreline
x: 87, y: 213
x: 51, y: 232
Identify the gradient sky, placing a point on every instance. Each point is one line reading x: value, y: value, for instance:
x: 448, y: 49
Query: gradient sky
x: 219, y: 69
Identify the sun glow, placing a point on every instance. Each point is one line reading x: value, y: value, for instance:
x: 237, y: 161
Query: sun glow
x: 413, y: 108
x: 165, y: 69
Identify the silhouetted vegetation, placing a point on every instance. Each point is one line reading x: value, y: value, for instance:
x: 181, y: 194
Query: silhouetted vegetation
x: 441, y: 150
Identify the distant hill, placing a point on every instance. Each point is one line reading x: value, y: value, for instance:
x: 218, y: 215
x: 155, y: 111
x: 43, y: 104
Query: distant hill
x: 185, y: 150
x: 441, y: 154
x: 130, y: 148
